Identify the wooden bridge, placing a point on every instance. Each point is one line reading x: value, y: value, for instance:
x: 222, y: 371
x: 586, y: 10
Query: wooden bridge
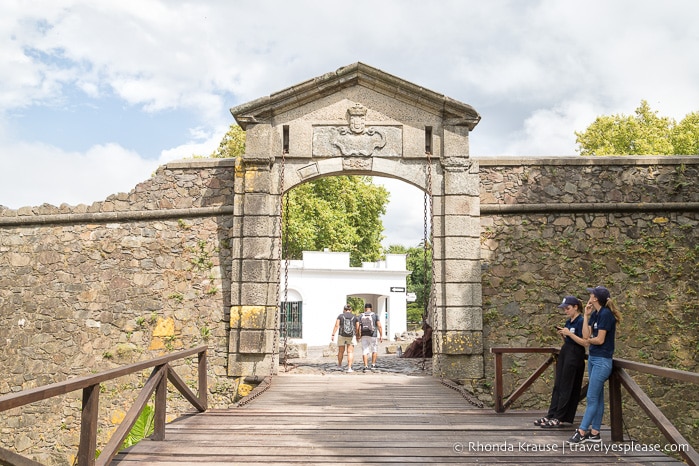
x: 365, y: 419
x: 339, y: 418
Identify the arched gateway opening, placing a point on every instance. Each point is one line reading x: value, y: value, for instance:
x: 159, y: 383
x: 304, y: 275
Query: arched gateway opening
x: 357, y: 121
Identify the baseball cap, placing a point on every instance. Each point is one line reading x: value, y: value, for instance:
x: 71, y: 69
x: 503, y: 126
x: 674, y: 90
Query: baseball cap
x: 570, y: 300
x: 601, y: 293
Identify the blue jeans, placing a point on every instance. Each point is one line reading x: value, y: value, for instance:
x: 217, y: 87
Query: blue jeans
x: 599, y: 369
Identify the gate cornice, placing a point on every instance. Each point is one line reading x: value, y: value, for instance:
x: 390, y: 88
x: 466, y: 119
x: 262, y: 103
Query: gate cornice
x: 262, y: 110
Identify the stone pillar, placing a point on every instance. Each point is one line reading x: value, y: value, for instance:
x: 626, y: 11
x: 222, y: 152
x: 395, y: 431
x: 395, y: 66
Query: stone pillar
x: 254, y: 281
x: 457, y: 323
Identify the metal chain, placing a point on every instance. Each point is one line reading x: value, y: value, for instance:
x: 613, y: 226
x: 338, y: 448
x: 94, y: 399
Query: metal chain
x: 286, y: 281
x: 278, y: 227
x: 462, y: 391
x: 425, y: 239
x: 262, y: 387
x: 436, y: 354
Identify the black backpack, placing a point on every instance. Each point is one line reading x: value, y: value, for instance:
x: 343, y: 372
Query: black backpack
x: 346, y: 325
x: 367, y: 322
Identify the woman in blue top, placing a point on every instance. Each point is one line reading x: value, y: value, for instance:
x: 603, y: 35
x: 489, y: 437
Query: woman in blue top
x: 599, y: 330
x: 570, y: 368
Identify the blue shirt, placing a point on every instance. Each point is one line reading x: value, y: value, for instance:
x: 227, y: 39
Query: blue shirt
x: 575, y: 327
x: 603, y: 320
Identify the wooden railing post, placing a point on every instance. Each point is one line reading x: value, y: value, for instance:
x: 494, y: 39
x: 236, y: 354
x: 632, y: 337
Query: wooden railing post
x: 615, y: 406
x: 160, y: 406
x: 502, y: 405
x: 88, y: 425
x: 499, y: 408
x: 203, y: 386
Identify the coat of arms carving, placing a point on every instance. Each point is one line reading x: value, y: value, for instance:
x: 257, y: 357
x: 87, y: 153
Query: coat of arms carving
x: 356, y: 138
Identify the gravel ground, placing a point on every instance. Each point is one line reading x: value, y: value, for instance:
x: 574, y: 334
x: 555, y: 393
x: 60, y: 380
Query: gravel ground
x: 323, y: 359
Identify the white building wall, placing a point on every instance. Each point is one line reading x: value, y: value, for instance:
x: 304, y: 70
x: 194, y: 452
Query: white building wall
x: 323, y: 281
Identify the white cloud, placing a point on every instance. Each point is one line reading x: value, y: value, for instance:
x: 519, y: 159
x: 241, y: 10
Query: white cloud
x: 202, y: 143
x: 404, y: 219
x: 552, y: 131
x: 34, y: 174
x: 37, y: 173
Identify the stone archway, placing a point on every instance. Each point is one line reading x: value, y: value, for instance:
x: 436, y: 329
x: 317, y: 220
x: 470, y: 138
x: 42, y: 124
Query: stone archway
x: 357, y: 121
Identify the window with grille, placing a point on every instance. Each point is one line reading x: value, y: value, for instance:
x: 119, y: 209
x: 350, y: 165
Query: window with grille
x: 292, y: 317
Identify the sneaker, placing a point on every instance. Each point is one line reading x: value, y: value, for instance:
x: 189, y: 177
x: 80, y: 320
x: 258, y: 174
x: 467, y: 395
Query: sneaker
x: 594, y: 438
x: 577, y: 438
x: 349, y: 369
x: 338, y: 368
x: 373, y: 367
x: 365, y: 369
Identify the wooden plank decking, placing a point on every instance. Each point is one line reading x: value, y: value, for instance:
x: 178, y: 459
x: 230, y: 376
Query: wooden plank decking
x: 364, y: 419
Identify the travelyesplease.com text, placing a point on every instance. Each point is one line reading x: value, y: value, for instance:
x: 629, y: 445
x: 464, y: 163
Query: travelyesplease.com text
x: 565, y: 447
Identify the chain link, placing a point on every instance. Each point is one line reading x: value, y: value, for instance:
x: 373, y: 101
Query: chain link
x: 262, y: 387
x: 436, y: 336
x: 286, y: 283
x: 278, y: 227
x: 462, y: 391
x: 425, y: 296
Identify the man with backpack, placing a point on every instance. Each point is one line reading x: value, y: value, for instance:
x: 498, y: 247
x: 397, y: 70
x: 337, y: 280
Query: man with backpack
x: 368, y: 326
x: 345, y: 325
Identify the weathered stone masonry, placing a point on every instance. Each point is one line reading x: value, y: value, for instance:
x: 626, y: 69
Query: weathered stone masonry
x: 553, y: 226
x: 88, y: 288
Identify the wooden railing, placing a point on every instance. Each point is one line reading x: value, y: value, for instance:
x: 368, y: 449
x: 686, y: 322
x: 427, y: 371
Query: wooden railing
x: 500, y: 405
x: 90, y: 385
x: 617, y: 379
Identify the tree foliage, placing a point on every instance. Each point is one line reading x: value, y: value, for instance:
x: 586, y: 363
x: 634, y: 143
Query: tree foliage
x: 341, y: 213
x: 232, y: 144
x: 685, y: 136
x: 644, y: 133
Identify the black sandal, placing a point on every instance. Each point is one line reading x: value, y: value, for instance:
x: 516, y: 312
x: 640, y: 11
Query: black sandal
x: 552, y: 424
x: 541, y: 422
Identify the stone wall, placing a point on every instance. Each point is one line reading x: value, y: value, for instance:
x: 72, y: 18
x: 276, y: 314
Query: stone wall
x: 88, y: 288
x: 639, y: 239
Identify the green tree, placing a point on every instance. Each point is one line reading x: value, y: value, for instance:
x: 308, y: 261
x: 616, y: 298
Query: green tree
x: 644, y: 133
x: 341, y: 213
x: 685, y: 135
x: 232, y: 144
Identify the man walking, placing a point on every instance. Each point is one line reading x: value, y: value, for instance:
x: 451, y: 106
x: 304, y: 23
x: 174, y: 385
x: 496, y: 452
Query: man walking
x: 369, y: 326
x: 346, y: 324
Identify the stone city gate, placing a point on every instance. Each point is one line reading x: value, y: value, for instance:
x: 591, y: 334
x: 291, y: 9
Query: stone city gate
x: 357, y: 121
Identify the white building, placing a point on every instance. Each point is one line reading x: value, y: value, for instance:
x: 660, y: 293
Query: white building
x: 318, y: 286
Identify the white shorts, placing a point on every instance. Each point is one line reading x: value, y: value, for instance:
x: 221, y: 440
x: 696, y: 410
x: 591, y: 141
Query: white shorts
x: 370, y: 345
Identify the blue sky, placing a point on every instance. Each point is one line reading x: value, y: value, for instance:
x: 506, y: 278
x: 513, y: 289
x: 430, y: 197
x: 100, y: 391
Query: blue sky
x: 95, y: 94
